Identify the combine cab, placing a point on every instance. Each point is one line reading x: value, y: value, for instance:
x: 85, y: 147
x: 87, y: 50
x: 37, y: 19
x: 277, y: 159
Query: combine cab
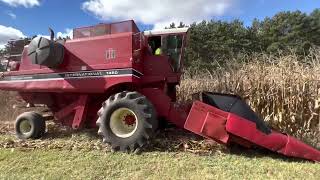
x: 111, y: 76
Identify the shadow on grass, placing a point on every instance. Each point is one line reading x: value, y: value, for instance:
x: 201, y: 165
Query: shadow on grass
x: 181, y: 141
x: 263, y: 153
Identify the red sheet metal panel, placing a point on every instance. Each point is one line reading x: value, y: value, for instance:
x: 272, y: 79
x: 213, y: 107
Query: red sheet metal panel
x: 207, y: 121
x: 224, y: 127
x: 79, y: 85
x: 275, y: 141
x: 214, y: 127
x: 173, y: 112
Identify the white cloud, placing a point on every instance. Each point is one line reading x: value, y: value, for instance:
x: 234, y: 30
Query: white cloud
x: 68, y: 32
x: 25, y: 3
x: 8, y: 33
x: 158, y: 12
x: 12, y: 15
x: 45, y: 36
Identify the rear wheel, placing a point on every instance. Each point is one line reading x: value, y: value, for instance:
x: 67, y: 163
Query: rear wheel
x: 127, y: 121
x: 30, y: 125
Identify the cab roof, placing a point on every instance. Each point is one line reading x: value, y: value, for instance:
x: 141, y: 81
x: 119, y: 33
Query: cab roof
x: 166, y: 31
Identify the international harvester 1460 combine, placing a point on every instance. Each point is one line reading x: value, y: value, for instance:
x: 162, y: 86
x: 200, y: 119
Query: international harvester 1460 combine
x: 109, y: 76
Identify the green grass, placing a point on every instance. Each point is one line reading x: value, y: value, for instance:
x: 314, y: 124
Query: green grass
x: 80, y: 155
x: 63, y: 164
x: 55, y: 164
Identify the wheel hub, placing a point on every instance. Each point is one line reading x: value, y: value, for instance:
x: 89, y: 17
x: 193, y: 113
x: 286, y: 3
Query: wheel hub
x: 25, y: 127
x: 129, y: 120
x: 123, y: 122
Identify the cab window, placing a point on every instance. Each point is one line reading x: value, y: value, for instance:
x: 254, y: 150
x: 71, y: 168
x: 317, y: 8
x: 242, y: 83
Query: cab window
x: 172, y: 47
x: 154, y: 43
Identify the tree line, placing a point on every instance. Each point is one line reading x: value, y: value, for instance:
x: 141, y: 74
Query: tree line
x: 214, y: 41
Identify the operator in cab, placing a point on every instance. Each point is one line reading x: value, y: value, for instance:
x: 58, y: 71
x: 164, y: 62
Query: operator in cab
x: 158, y: 51
x: 155, y: 45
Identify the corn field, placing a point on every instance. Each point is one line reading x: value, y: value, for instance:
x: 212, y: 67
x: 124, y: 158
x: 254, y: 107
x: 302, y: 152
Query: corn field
x: 283, y: 89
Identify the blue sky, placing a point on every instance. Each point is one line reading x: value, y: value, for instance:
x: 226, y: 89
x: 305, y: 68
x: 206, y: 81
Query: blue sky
x: 250, y: 9
x: 33, y: 17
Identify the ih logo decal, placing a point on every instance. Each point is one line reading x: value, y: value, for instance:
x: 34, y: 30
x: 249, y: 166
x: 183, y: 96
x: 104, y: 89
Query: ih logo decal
x: 110, y: 54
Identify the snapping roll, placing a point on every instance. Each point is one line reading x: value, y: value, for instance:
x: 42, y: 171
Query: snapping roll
x: 45, y: 52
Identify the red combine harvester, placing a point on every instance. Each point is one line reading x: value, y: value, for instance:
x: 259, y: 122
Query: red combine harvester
x: 108, y: 76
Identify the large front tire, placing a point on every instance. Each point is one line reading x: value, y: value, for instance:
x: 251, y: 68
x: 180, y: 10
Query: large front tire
x: 127, y: 121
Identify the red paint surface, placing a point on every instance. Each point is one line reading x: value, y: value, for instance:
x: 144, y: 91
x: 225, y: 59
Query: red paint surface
x: 208, y: 122
x: 83, y: 85
x: 224, y: 127
x: 89, y: 54
x: 277, y: 142
x: 173, y: 112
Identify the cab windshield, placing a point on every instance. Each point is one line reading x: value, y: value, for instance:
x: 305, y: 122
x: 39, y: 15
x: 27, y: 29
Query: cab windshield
x: 172, y: 46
